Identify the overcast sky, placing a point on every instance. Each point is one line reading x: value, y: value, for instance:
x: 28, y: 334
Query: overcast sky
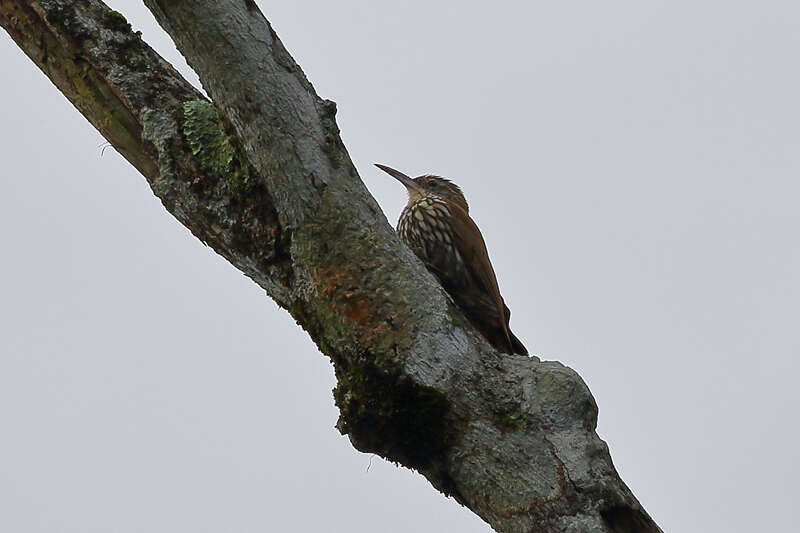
x: 633, y: 166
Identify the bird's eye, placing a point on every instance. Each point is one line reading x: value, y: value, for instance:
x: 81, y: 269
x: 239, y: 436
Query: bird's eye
x: 432, y: 183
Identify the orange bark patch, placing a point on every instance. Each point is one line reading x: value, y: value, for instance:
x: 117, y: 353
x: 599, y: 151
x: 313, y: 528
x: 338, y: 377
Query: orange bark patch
x: 360, y: 308
x: 350, y: 301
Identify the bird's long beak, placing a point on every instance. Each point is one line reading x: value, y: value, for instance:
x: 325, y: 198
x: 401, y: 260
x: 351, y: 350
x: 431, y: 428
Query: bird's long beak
x: 399, y: 176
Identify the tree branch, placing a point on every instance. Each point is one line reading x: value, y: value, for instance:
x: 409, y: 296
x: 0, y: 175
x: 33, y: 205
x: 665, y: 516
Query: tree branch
x: 263, y: 178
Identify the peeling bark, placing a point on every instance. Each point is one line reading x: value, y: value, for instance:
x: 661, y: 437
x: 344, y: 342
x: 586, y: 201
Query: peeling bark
x: 262, y: 177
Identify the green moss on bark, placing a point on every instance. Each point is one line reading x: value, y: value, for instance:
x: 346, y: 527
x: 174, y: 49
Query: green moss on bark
x: 512, y: 421
x: 116, y: 20
x: 216, y: 152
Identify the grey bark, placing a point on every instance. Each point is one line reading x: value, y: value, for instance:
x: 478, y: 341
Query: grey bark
x: 263, y: 178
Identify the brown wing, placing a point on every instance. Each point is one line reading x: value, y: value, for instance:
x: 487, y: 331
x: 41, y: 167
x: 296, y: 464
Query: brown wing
x: 471, y: 246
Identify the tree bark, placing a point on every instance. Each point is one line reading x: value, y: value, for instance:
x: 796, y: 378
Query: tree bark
x: 262, y: 177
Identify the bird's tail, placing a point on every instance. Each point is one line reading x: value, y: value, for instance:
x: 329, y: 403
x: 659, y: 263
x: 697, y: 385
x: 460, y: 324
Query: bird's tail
x: 516, y: 345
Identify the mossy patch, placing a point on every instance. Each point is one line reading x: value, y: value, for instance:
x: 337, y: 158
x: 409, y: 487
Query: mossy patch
x: 512, y: 421
x: 216, y: 151
x: 391, y: 415
x: 116, y: 21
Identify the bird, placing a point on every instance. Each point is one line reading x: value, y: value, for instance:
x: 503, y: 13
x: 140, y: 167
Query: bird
x: 437, y: 227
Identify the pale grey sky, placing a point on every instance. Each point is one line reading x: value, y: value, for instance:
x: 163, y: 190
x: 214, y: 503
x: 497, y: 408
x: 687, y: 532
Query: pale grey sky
x: 633, y: 166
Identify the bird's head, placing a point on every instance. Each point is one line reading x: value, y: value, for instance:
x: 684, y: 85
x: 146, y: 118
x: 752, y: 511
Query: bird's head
x: 429, y: 186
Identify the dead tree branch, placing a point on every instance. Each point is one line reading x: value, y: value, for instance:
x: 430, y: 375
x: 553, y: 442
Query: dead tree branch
x: 262, y: 177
